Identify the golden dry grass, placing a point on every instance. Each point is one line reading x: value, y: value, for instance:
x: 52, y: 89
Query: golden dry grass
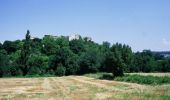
x: 78, y: 88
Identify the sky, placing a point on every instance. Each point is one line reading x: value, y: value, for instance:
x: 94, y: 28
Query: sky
x: 142, y: 24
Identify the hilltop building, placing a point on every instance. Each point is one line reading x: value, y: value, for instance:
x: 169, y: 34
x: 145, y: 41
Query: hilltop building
x: 74, y: 37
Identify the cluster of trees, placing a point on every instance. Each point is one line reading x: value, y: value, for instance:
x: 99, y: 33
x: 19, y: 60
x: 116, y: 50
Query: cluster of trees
x: 59, y: 56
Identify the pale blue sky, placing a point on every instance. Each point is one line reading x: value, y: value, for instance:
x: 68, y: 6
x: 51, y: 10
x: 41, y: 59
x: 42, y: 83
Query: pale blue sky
x: 142, y: 24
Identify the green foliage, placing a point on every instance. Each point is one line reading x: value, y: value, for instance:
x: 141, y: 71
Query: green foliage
x: 145, y: 61
x: 62, y: 41
x: 9, y: 46
x: 1, y: 45
x: 56, y: 55
x: 25, y: 53
x: 14, y: 63
x: 36, y: 45
x: 128, y: 57
x: 89, y: 62
x: 72, y: 66
x: 77, y: 46
x: 153, y: 80
x: 164, y: 65
x: 165, y: 97
x: 140, y: 79
x: 4, y: 64
x: 114, y: 60
x: 49, y: 45
x: 60, y: 71
x: 67, y: 58
x: 38, y: 64
x: 61, y: 56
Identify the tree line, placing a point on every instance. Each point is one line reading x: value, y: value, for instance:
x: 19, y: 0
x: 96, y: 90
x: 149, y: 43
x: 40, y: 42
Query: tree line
x: 58, y: 56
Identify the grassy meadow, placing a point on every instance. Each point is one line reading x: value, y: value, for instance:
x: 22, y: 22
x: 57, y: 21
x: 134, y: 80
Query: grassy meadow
x: 99, y: 86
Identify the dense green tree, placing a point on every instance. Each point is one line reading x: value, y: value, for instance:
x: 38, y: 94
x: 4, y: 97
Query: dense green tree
x: 77, y: 46
x: 56, y: 55
x: 158, y: 56
x: 60, y: 71
x: 14, y: 62
x: 104, y: 50
x: 62, y: 41
x: 1, y: 45
x: 61, y: 57
x: 89, y: 62
x: 164, y: 65
x: 72, y: 66
x: 38, y: 64
x: 4, y: 64
x: 18, y: 44
x: 114, y: 60
x: 65, y: 57
x: 106, y: 45
x: 25, y: 54
x: 49, y: 45
x: 145, y: 61
x: 9, y: 46
x: 127, y: 57
x: 36, y: 45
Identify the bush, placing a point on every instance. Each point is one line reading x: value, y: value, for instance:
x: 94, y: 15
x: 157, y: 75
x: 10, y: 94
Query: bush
x: 60, y: 71
x: 153, y: 80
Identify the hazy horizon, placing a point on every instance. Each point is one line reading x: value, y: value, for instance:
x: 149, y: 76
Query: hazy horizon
x: 140, y: 24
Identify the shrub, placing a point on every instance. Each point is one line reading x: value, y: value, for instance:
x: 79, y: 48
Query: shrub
x: 60, y: 71
x: 153, y: 80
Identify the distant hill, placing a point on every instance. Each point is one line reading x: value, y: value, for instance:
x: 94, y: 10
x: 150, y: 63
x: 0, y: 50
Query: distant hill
x: 163, y: 53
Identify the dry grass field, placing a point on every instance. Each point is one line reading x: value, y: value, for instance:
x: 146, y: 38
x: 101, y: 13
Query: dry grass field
x: 78, y: 88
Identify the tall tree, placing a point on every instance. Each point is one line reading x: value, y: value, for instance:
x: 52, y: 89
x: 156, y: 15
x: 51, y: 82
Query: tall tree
x: 114, y: 61
x: 25, y: 53
x: 127, y: 57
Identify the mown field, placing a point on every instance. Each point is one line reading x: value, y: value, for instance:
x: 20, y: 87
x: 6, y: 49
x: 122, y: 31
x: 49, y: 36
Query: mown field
x: 85, y: 87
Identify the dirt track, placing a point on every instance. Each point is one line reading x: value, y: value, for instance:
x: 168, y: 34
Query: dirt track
x: 75, y: 88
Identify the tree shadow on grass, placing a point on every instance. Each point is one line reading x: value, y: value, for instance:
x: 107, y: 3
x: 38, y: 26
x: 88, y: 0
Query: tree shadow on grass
x: 107, y: 77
